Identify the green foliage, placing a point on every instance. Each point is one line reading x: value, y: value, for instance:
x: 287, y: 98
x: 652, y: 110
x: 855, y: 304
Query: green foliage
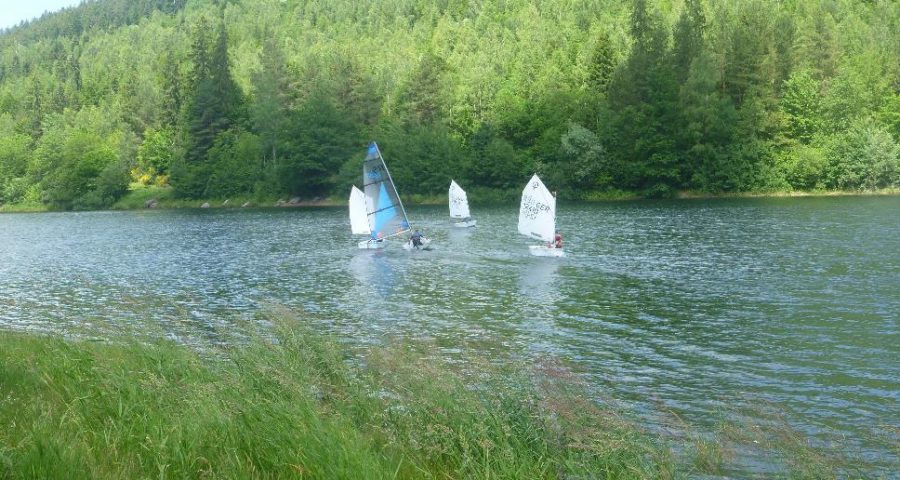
x: 234, y: 164
x: 866, y: 157
x: 803, y: 167
x: 15, y: 154
x: 422, y: 159
x: 801, y: 106
x: 315, y: 142
x: 80, y: 162
x: 86, y: 168
x: 156, y: 153
x: 707, y: 134
x: 215, y: 107
x: 495, y: 162
x: 643, y: 95
x: 705, y: 96
x: 585, y: 161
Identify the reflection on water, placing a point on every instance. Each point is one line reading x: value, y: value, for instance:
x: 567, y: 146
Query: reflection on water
x: 685, y: 306
x: 373, y: 272
x: 538, y: 279
x: 539, y: 293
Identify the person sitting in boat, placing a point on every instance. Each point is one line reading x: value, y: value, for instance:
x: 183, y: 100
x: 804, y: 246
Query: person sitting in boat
x: 416, y: 239
x: 557, y: 240
x: 377, y: 237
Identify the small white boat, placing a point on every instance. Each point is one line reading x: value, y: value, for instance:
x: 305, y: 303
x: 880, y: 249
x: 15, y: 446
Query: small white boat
x: 546, y: 251
x: 459, y: 206
x: 537, y: 218
x: 371, y: 244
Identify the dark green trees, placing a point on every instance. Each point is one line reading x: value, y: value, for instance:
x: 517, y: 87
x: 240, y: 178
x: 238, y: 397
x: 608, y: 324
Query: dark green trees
x: 214, y: 116
x: 643, y: 95
x: 270, y: 98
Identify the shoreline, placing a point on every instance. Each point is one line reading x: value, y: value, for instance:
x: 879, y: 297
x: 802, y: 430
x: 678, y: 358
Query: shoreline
x: 137, y: 200
x: 884, y: 192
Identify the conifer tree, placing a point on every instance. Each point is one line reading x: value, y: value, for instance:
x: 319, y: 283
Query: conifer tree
x: 215, y: 107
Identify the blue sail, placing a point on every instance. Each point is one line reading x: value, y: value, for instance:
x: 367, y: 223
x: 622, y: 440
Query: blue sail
x: 372, y: 151
x: 385, y: 211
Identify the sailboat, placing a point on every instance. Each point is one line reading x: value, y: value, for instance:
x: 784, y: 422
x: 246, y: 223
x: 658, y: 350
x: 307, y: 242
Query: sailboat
x: 385, y: 214
x: 459, y: 206
x: 537, y: 218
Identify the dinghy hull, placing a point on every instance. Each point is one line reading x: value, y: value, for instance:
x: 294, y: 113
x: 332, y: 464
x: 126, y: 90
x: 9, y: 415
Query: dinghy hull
x: 545, y: 251
x: 371, y: 244
x: 465, y: 224
x: 424, y: 246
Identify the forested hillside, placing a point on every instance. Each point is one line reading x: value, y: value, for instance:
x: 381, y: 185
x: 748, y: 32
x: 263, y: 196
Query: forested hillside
x: 280, y: 97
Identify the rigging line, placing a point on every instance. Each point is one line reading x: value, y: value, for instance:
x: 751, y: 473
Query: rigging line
x: 373, y: 183
x: 382, y: 209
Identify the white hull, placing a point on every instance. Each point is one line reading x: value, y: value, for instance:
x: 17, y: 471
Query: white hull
x: 371, y: 244
x: 545, y: 251
x: 425, y: 245
x: 464, y: 224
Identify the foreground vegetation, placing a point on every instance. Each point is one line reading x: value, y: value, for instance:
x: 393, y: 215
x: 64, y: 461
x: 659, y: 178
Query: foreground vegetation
x: 272, y: 98
x: 287, y: 402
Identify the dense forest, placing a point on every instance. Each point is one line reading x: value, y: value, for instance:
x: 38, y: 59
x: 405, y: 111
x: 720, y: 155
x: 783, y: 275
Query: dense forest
x: 279, y: 97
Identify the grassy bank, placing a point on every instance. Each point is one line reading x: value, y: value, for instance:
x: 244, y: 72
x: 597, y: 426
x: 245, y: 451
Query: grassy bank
x: 291, y: 403
x: 23, y: 207
x: 792, y: 193
x: 138, y: 197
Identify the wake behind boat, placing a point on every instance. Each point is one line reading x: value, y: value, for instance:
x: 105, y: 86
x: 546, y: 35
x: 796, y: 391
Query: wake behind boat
x: 537, y: 219
x: 417, y: 241
x: 459, y: 206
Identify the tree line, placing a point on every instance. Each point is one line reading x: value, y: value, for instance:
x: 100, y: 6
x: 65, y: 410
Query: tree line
x: 270, y: 97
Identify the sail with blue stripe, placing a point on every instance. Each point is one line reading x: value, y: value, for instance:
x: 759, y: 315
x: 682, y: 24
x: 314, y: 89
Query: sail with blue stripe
x: 385, y: 210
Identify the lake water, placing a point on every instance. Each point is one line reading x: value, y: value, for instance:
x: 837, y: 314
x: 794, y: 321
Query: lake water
x: 694, y: 307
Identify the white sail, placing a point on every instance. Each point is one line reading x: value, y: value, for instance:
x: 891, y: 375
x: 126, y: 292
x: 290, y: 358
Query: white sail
x: 459, y: 203
x: 359, y: 218
x: 537, y: 212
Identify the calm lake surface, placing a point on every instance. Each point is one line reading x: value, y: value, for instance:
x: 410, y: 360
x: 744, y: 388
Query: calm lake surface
x: 692, y: 307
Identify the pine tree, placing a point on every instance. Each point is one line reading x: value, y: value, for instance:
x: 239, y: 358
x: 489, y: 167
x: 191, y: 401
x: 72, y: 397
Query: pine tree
x: 216, y: 106
x: 267, y: 110
x: 643, y: 97
x: 689, y: 40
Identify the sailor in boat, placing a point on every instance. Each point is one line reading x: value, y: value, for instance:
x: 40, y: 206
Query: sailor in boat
x: 557, y: 241
x: 416, y: 239
x: 377, y: 237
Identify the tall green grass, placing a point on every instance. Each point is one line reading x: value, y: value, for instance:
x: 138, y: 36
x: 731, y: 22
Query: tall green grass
x: 289, y: 402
